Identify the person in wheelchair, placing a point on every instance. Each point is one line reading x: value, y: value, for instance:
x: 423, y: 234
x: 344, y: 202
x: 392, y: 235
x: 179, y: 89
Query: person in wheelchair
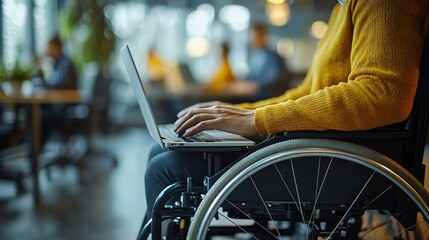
x: 364, y: 75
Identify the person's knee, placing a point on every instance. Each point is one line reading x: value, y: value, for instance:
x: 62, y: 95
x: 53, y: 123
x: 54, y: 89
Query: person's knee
x: 157, y: 170
x: 170, y: 167
x: 154, y: 150
x: 152, y: 170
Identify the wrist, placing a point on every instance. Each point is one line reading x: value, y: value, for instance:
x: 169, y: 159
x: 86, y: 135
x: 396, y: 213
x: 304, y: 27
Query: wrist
x: 259, y: 123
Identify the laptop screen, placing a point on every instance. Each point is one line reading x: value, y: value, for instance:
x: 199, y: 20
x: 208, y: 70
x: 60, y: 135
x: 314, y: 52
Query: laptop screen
x: 137, y: 84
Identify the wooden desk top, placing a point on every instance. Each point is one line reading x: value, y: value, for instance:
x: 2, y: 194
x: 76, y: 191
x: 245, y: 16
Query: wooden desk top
x: 43, y: 96
x: 239, y: 90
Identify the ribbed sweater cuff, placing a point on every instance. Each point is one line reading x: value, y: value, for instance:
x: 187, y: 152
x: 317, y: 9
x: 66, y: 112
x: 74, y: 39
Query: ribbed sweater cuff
x: 260, y: 121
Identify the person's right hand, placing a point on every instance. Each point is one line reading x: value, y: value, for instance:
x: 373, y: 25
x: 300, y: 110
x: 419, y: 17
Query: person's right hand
x: 221, y: 117
x: 200, y: 105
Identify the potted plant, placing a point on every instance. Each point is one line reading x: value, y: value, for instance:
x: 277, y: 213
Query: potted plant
x: 15, y: 75
x: 99, y: 41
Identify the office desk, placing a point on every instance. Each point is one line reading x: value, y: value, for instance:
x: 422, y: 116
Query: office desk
x: 239, y: 92
x: 34, y: 100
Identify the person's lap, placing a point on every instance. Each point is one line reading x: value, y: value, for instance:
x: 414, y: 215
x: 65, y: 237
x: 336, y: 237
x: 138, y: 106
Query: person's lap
x: 169, y: 167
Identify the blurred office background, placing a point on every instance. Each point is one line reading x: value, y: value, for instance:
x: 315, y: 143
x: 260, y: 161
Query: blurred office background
x: 91, y: 179
x: 179, y: 31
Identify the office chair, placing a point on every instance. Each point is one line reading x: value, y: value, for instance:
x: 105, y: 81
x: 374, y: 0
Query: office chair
x: 82, y: 120
x: 11, y: 134
x: 85, y: 118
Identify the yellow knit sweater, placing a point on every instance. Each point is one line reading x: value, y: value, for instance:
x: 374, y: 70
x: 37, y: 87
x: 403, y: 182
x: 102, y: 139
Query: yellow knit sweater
x: 363, y: 75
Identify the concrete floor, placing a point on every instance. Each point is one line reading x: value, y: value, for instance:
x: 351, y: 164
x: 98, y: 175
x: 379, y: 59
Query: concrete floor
x: 109, y: 204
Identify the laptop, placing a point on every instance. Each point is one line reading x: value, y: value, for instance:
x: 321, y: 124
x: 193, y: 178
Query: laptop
x: 164, y: 135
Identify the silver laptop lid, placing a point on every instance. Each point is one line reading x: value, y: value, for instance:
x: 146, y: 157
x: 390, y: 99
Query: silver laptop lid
x: 137, y: 84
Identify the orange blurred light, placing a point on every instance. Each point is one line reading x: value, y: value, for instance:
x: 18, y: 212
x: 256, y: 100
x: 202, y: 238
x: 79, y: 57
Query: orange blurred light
x: 278, y: 14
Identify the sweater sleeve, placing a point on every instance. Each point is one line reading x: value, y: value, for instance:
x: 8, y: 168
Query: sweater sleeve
x: 292, y: 94
x: 386, y: 49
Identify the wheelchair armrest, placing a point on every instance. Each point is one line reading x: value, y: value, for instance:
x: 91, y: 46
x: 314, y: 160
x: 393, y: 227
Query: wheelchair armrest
x: 374, y: 134
x: 388, y: 141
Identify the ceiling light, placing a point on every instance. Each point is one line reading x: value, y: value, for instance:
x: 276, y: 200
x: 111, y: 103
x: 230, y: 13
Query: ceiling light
x: 318, y: 29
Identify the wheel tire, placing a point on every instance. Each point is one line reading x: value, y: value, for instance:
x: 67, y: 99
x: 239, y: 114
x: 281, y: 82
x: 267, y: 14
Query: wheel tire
x: 303, y: 148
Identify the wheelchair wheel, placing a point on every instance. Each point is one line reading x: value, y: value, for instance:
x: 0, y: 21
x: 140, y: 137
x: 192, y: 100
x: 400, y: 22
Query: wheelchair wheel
x: 325, y: 185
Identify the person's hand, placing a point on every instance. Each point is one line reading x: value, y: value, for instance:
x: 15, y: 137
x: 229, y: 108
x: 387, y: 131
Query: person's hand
x: 200, y: 105
x: 222, y: 117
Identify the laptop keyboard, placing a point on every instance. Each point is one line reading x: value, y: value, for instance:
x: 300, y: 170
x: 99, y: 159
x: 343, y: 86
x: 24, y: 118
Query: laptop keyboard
x: 200, y: 137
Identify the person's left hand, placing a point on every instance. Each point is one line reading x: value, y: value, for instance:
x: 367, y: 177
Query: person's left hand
x: 222, y: 117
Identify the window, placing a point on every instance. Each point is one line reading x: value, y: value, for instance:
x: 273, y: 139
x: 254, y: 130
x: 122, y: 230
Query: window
x: 15, y: 35
x: 45, y: 23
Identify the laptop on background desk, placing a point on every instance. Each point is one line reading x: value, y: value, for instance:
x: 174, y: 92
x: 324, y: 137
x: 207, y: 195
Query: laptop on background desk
x: 164, y: 135
x: 187, y: 75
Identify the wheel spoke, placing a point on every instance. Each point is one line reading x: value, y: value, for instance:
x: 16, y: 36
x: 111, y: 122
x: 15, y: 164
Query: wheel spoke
x: 363, y: 234
x: 321, y: 186
x: 406, y: 229
x: 351, y: 205
x: 296, y: 187
x: 248, y: 215
x: 241, y: 228
x: 266, y: 208
x: 315, y: 197
x: 373, y: 200
x: 287, y: 187
x: 317, y: 178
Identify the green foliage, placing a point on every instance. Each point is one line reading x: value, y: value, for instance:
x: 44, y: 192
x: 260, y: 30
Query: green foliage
x: 18, y: 72
x: 89, y: 32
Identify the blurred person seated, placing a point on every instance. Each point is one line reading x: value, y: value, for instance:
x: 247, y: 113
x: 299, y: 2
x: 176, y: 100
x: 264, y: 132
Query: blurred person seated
x: 164, y: 75
x: 224, y: 75
x: 156, y: 68
x: 62, y: 76
x: 225, y: 82
x: 267, y: 69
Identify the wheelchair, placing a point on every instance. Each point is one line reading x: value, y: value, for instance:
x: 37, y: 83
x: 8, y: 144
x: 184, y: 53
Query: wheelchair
x: 323, y: 182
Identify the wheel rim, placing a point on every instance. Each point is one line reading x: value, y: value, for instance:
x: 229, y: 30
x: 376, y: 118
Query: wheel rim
x: 388, y: 170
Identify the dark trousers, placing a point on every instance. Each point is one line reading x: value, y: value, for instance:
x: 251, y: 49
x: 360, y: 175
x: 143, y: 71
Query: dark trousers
x: 168, y: 167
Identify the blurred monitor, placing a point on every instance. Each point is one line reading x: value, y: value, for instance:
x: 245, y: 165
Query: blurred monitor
x: 187, y: 75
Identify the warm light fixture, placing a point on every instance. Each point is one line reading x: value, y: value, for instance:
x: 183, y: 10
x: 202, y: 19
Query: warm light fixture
x: 278, y: 14
x: 318, y: 29
x: 276, y: 1
x: 197, y: 47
